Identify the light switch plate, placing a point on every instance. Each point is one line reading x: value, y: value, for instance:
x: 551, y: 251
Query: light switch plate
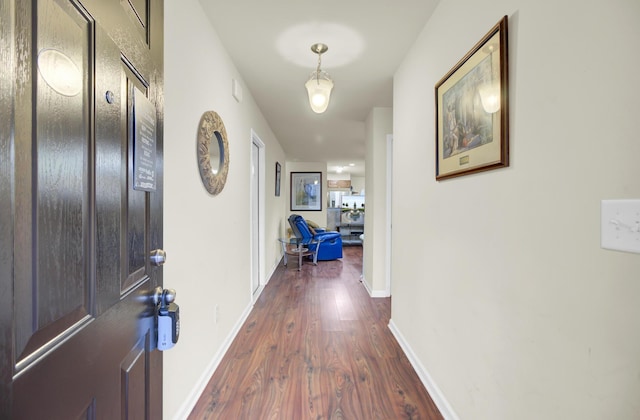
x: 620, y: 225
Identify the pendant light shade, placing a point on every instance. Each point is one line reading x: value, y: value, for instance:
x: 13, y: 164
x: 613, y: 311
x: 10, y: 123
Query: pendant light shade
x: 319, y: 88
x: 319, y: 85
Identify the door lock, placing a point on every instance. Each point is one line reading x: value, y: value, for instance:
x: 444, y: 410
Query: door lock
x: 168, y: 318
x: 158, y: 257
x: 163, y: 296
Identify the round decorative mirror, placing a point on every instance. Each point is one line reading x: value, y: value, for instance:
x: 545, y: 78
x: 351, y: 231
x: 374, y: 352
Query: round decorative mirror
x: 213, y: 152
x: 216, y: 152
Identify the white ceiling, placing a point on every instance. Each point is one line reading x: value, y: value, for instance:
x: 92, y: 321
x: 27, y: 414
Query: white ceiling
x: 270, y: 43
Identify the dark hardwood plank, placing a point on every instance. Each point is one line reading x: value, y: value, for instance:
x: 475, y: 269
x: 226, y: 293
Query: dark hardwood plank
x: 316, y: 346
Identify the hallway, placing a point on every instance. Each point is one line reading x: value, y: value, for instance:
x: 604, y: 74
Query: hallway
x: 316, y: 346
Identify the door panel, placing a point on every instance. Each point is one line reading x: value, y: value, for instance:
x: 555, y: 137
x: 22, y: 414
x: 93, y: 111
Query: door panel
x: 136, y: 247
x: 133, y: 385
x: 88, y: 367
x: 110, y: 169
x: 56, y: 293
x: 79, y: 339
x: 138, y: 11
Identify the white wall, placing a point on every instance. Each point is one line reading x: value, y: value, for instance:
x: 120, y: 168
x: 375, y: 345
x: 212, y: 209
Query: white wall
x: 207, y: 238
x: 500, y: 288
x: 338, y: 177
x: 358, y: 183
x: 378, y: 125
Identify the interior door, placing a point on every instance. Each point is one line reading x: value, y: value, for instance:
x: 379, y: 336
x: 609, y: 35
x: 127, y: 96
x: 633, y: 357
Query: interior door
x: 81, y: 210
x: 255, y: 218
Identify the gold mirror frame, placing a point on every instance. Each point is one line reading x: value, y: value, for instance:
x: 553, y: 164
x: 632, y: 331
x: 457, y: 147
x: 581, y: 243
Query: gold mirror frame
x: 210, y: 124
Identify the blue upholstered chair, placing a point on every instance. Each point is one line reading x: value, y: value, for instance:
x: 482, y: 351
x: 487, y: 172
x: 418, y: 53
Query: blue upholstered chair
x: 331, y: 242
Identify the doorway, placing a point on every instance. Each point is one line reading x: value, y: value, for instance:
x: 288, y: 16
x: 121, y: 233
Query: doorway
x: 257, y: 214
x: 389, y: 226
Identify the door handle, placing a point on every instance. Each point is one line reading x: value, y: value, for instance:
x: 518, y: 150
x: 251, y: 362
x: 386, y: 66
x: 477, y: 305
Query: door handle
x: 163, y: 297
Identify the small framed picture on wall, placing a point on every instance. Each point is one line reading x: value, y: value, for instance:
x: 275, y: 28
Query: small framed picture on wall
x: 278, y: 178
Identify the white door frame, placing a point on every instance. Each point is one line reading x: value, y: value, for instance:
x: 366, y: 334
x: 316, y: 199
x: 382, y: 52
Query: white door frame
x: 389, y: 210
x: 257, y: 235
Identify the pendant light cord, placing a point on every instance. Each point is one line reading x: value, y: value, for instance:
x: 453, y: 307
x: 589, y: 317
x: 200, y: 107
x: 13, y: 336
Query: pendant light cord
x: 318, y: 70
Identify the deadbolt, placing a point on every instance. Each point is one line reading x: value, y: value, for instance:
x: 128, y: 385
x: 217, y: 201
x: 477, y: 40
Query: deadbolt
x: 158, y: 257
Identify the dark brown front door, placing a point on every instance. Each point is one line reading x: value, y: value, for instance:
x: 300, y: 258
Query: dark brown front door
x: 80, y: 208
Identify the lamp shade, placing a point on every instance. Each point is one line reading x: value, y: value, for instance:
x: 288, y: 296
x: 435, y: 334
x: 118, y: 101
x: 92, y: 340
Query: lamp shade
x: 319, y: 88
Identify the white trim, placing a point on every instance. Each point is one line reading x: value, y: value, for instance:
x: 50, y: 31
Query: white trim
x: 255, y: 140
x: 379, y: 294
x: 273, y: 270
x: 195, y: 394
x: 434, y: 391
x: 365, y: 284
x: 373, y: 293
x: 389, y: 247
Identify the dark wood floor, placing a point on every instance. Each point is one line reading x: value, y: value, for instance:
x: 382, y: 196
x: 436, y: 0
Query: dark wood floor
x: 316, y: 346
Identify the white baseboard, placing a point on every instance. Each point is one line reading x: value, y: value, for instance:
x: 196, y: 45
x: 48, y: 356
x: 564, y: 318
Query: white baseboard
x: 202, y: 382
x: 273, y: 270
x: 258, y: 292
x: 379, y: 294
x: 434, y: 391
x: 364, y: 283
x: 373, y: 293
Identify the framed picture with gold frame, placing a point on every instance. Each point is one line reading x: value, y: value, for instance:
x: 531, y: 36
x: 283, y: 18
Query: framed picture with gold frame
x: 472, y: 109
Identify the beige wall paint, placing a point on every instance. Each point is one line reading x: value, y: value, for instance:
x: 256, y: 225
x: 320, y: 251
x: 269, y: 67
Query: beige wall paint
x: 500, y: 288
x: 358, y: 184
x: 378, y: 125
x: 338, y: 177
x: 207, y: 238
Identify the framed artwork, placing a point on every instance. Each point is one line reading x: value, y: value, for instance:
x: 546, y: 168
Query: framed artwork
x: 472, y: 109
x: 278, y: 178
x: 306, y: 191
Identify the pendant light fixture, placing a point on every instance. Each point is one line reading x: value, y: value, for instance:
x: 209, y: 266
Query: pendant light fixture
x: 319, y: 84
x: 490, y: 91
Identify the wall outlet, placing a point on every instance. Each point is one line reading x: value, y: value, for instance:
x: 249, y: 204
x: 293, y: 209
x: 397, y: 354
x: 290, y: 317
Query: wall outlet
x: 216, y: 314
x: 620, y: 225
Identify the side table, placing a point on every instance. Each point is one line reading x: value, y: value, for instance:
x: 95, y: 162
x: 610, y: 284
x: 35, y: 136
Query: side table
x: 299, y: 248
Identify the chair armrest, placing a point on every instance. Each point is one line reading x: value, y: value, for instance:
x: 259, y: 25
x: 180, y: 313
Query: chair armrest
x: 325, y: 236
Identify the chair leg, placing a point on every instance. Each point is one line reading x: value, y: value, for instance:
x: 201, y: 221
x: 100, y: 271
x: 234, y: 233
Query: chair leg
x: 315, y: 254
x: 284, y: 252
